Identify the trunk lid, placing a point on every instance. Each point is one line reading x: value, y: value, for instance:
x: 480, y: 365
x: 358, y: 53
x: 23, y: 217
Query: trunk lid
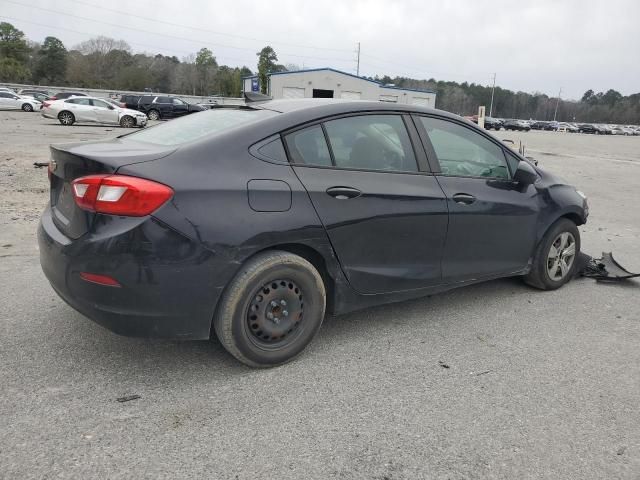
x: 71, y: 161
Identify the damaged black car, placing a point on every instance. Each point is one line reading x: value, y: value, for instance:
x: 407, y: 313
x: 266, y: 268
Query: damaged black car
x: 253, y: 223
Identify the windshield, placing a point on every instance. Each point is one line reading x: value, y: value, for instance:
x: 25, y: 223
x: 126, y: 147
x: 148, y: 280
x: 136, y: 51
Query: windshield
x: 198, y: 125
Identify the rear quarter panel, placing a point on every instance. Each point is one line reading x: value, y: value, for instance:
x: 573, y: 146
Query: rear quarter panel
x: 211, y: 205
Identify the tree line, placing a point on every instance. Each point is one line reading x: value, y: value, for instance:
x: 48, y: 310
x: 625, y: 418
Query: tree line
x: 106, y: 63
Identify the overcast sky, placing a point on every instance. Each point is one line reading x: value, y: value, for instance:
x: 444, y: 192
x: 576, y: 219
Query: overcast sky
x: 532, y: 46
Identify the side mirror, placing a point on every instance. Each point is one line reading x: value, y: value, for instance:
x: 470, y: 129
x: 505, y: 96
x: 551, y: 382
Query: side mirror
x: 525, y: 174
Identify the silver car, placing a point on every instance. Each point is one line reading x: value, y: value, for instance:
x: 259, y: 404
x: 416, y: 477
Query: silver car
x: 15, y: 101
x: 92, y: 110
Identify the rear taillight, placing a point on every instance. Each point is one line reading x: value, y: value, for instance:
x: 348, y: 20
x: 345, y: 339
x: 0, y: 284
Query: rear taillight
x: 123, y: 105
x: 46, y: 103
x: 119, y: 195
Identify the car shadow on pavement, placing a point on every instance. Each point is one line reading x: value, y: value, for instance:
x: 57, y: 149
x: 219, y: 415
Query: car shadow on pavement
x: 94, y: 348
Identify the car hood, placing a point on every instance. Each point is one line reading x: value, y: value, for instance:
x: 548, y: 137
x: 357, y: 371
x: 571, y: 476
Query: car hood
x: 130, y: 111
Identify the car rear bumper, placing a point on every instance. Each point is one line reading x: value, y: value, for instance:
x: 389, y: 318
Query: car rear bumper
x: 166, y: 286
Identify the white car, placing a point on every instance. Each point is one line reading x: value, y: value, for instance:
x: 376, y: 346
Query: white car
x: 93, y: 110
x: 15, y: 101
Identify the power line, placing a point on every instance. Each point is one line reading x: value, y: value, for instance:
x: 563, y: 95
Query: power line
x: 190, y: 27
x: 199, y: 42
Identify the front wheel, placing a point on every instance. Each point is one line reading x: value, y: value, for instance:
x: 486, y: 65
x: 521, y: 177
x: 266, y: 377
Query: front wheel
x: 127, y: 121
x: 27, y: 107
x: 66, y: 118
x: 554, y: 262
x: 271, y: 310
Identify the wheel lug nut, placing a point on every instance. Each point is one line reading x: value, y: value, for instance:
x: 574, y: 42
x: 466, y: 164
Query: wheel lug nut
x: 270, y: 315
x: 273, y: 303
x: 283, y: 303
x: 285, y: 313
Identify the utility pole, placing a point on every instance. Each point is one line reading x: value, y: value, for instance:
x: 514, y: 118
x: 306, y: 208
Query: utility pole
x: 557, y: 102
x: 358, y: 66
x: 492, y: 90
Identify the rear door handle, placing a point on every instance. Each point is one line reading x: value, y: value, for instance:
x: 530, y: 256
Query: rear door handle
x: 464, y: 198
x: 343, y: 193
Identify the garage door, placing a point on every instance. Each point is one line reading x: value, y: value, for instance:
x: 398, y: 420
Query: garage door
x: 421, y: 101
x: 389, y: 98
x: 292, y: 92
x: 351, y: 95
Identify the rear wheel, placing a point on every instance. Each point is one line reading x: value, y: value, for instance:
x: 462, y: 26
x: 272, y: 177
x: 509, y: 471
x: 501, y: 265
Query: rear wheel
x: 27, y: 107
x: 127, y: 121
x: 66, y: 118
x: 554, y: 262
x: 153, y: 115
x: 271, y: 310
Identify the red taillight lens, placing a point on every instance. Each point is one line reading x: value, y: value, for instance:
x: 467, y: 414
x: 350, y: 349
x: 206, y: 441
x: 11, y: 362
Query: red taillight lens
x: 119, y: 195
x: 105, y: 280
x: 46, y: 103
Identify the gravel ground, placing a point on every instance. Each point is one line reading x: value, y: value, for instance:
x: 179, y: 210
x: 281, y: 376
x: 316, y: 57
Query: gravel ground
x: 491, y: 381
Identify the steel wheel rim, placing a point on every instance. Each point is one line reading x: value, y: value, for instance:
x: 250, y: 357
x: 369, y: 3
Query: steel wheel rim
x: 66, y: 118
x: 127, y: 122
x: 561, y: 256
x: 275, y: 314
x: 153, y: 115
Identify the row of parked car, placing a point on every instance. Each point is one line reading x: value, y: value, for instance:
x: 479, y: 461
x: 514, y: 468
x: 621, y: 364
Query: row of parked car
x: 71, y: 107
x: 491, y: 123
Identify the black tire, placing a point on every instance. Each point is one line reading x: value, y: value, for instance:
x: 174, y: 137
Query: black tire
x: 153, y: 114
x: 127, y: 121
x: 539, y: 276
x: 27, y: 107
x: 66, y: 118
x: 242, y: 322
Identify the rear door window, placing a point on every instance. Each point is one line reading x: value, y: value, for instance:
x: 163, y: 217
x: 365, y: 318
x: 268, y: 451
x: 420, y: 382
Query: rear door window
x: 79, y: 101
x: 371, y: 142
x: 309, y: 147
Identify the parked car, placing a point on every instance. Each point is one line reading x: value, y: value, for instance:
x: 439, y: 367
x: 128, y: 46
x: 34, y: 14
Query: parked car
x: 589, y: 128
x: 520, y: 125
x: 157, y: 107
x: 92, y: 110
x: 15, y: 101
x: 30, y: 92
x: 564, y: 127
x: 63, y: 95
x: 250, y: 222
x: 115, y: 103
x: 538, y: 125
x: 41, y: 97
x: 130, y: 101
x: 492, y: 123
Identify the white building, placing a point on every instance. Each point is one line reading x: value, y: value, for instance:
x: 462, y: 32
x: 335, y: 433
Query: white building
x: 330, y: 83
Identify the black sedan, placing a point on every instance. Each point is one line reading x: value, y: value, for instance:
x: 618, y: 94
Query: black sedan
x: 252, y: 223
x: 519, y: 125
x: 159, y: 107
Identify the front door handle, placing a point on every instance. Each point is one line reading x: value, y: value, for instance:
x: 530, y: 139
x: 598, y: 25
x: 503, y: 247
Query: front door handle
x: 343, y: 193
x: 464, y: 198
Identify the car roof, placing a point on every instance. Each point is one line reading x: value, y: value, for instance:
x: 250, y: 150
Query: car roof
x: 318, y: 107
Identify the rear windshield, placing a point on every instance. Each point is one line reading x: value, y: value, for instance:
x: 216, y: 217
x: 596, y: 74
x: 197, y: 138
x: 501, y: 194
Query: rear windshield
x: 198, y: 125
